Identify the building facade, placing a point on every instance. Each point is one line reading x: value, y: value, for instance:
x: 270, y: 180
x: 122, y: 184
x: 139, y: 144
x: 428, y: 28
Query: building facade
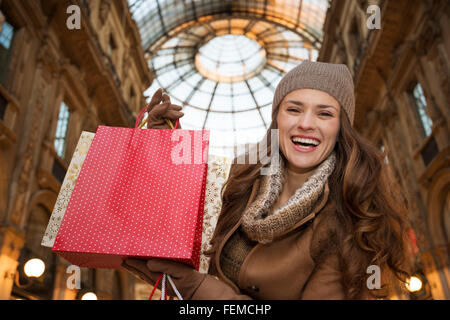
x: 66, y: 66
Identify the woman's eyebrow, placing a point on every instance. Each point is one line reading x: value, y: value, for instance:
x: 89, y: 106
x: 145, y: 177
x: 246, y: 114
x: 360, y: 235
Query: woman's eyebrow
x: 320, y: 106
x: 299, y: 103
x: 325, y: 106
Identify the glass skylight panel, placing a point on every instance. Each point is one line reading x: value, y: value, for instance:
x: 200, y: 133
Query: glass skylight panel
x: 254, y: 135
x: 279, y: 50
x: 313, y: 14
x: 263, y: 96
x: 281, y: 65
x: 193, y: 117
x: 171, y: 43
x: 151, y: 90
x: 248, y: 119
x: 271, y: 76
x: 162, y: 61
x: 219, y: 121
x: 243, y: 102
x: 167, y: 78
x: 200, y: 99
x: 208, y: 86
x: 181, y: 56
x: 219, y: 139
x: 267, y: 113
x: 223, y: 89
x: 255, y: 83
x: 300, y: 53
x: 204, y: 66
x: 240, y: 88
x: 254, y: 60
x: 178, y: 102
x: 222, y: 103
x: 184, y: 69
x: 194, y: 80
x: 181, y: 91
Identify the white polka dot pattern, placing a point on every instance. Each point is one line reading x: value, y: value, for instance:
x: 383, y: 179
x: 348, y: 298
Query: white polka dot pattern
x: 130, y: 200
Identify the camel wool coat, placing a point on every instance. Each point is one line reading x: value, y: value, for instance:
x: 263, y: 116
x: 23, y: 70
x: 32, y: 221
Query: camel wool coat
x: 302, y: 264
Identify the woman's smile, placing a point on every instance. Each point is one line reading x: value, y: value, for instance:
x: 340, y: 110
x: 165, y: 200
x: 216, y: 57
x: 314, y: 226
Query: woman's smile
x: 305, y: 143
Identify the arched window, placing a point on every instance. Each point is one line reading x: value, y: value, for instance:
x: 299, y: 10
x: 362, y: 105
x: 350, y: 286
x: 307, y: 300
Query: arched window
x: 6, y: 40
x: 61, y: 130
x: 421, y: 109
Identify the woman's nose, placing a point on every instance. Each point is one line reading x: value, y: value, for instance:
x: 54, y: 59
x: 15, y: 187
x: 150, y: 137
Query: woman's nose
x: 307, y: 121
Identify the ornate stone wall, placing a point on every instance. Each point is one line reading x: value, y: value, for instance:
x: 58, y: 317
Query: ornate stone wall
x: 50, y: 63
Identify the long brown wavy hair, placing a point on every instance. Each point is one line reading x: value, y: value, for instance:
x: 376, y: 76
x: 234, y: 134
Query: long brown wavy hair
x: 370, y: 208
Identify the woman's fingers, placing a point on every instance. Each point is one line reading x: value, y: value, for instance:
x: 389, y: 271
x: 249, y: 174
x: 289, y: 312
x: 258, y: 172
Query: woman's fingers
x: 156, y: 99
x: 165, y: 110
x: 139, y: 268
x: 158, y: 111
x: 165, y: 98
x: 175, y: 269
x: 161, y: 109
x: 185, y: 277
x: 175, y: 107
x: 174, y: 115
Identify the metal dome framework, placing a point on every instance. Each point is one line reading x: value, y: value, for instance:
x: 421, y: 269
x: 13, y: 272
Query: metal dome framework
x: 221, y: 60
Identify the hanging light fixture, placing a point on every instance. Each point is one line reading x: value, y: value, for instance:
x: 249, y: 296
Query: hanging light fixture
x: 34, y: 268
x: 414, y: 284
x: 89, y: 296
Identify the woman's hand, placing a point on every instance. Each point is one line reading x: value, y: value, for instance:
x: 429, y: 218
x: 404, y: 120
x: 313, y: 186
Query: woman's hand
x: 186, y: 278
x: 159, y: 109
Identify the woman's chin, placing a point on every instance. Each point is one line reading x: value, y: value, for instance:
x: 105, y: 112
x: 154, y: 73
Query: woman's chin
x: 301, y: 166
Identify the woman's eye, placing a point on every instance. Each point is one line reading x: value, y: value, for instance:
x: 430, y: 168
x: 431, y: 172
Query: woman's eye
x: 325, y: 114
x: 292, y: 109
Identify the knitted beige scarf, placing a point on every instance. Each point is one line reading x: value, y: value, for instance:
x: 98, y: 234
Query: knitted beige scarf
x: 263, y: 227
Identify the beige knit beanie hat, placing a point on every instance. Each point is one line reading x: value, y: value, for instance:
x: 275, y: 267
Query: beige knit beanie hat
x: 335, y: 79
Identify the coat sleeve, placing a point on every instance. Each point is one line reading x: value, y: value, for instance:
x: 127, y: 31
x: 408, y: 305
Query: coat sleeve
x: 212, y: 288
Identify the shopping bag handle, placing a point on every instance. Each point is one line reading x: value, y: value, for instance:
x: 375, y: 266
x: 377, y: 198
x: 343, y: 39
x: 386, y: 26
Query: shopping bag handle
x: 164, y: 276
x: 138, y: 124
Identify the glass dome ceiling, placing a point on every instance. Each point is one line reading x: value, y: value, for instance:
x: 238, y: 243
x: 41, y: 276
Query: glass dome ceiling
x: 221, y: 60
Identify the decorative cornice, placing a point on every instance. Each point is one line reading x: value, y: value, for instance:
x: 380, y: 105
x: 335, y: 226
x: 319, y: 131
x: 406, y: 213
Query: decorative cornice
x: 48, y: 56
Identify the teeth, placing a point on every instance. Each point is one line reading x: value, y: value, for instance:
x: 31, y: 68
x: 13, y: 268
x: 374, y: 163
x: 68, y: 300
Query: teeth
x: 304, y: 140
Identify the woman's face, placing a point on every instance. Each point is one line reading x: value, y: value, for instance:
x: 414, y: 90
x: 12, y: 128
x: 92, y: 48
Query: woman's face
x: 308, y: 123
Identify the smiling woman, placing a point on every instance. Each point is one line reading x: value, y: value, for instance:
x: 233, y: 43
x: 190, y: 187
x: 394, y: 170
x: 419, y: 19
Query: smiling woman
x: 341, y: 186
x: 313, y: 229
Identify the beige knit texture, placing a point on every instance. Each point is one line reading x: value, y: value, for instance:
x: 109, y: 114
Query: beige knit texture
x: 261, y: 225
x: 335, y: 79
x: 233, y: 254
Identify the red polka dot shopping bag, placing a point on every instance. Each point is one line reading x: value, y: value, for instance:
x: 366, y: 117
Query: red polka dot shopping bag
x: 140, y: 194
